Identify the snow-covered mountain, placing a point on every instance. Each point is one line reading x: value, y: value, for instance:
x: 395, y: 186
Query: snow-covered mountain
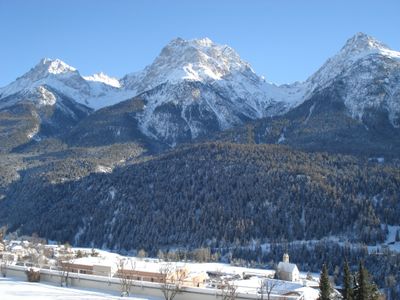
x: 368, y: 73
x: 36, y: 114
x: 191, y: 83
x: 365, y: 71
x: 48, y: 100
x: 351, y: 105
x: 93, y: 91
x: 198, y: 60
x: 197, y: 86
x: 202, y: 60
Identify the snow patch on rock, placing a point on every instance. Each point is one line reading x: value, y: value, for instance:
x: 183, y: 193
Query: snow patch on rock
x: 103, y: 78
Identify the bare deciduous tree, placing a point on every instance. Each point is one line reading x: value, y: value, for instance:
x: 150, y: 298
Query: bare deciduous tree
x: 229, y: 290
x: 125, y: 277
x: 172, y: 279
x: 3, y: 231
x: 267, y: 286
x: 64, y: 264
x: 3, y: 269
x: 142, y: 254
x: 6, y: 260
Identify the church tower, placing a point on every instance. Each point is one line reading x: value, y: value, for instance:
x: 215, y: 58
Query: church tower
x: 285, y: 258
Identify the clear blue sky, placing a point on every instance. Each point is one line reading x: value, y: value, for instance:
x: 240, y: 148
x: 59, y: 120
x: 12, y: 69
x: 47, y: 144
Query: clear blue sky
x: 283, y: 40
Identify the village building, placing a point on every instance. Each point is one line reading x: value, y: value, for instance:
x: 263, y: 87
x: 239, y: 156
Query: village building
x: 154, y: 272
x: 136, y: 270
x: 287, y: 271
x: 90, y: 266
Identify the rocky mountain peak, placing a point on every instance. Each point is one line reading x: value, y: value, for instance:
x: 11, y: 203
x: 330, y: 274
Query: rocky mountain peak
x: 358, y: 48
x: 362, y: 45
x: 55, y: 66
x: 361, y: 42
x: 194, y: 60
x: 49, y: 67
x: 202, y: 53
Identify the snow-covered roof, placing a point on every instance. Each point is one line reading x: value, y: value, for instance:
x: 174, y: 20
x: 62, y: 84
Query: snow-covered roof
x: 91, y: 261
x: 308, y: 293
x: 280, y: 287
x: 113, y: 260
x: 287, y: 267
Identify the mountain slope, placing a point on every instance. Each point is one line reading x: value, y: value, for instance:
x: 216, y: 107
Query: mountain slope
x: 37, y: 114
x: 231, y: 194
x: 111, y: 125
x: 323, y: 123
x: 168, y: 115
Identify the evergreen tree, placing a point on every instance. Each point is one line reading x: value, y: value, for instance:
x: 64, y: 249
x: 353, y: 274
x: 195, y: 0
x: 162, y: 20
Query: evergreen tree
x: 366, y: 289
x: 347, y: 283
x: 324, y: 284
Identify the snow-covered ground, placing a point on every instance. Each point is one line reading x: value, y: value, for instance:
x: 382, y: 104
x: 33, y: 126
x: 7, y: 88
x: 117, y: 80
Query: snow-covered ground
x: 14, y: 289
x: 390, y: 241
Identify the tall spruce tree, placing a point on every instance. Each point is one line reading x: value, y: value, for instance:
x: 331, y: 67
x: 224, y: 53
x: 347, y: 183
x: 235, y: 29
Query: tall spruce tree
x: 366, y: 289
x: 361, y: 283
x: 347, y: 283
x: 324, y: 284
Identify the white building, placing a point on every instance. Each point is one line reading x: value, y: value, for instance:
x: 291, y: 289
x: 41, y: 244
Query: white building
x: 287, y: 271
